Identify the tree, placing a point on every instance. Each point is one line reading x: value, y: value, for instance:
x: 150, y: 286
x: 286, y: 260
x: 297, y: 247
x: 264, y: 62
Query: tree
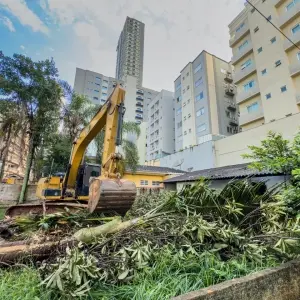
x: 77, y: 112
x: 33, y: 87
x: 275, y: 154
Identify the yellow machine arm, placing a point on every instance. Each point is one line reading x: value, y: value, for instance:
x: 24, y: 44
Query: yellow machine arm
x: 110, y: 117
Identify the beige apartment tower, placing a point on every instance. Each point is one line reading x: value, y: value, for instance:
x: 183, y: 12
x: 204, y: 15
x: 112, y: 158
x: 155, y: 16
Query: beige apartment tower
x: 266, y: 65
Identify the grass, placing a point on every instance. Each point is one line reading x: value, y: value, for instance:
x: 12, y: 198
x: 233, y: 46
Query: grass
x: 2, y: 212
x: 172, y: 276
x: 22, y: 284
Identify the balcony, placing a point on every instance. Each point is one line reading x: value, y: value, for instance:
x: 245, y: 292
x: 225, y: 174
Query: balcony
x: 295, y: 69
x: 229, y: 90
x: 251, y: 117
x: 242, y: 74
x: 287, y: 45
x: 233, y: 121
x: 289, y: 15
x: 140, y: 92
x: 277, y: 3
x: 139, y: 104
x: 139, y: 110
x: 239, y: 35
x: 231, y: 106
x: 140, y: 98
x: 241, y: 54
x: 246, y: 95
x: 139, y: 117
x: 228, y: 78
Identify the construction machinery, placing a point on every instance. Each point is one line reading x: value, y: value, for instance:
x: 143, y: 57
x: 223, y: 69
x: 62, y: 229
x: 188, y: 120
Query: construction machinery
x: 81, y: 187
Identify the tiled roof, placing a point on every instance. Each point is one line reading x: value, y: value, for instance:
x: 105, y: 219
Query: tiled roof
x: 234, y: 171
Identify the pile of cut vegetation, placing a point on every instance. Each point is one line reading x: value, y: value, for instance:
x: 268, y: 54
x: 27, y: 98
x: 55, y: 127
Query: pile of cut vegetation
x: 172, y: 243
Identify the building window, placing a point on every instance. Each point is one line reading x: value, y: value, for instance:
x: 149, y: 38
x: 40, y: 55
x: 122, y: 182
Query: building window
x: 246, y: 64
x: 96, y: 91
x: 264, y: 72
x: 185, y: 133
x: 228, y: 114
x: 178, y: 86
x: 179, y: 124
x: 295, y: 28
x: 198, y: 82
x: 155, y: 183
x: 97, y: 83
x: 240, y: 27
x: 253, y: 107
x: 259, y: 50
x: 190, y: 130
x: 184, y: 119
x: 273, y: 40
x: 97, y: 78
x: 188, y: 101
x: 201, y: 127
x: 268, y: 96
x: 298, y: 55
x: 188, y: 87
x: 252, y: 10
x: 178, y: 111
x: 187, y: 74
x: 144, y: 182
x: 256, y: 29
x: 183, y: 78
x: 277, y: 63
x: 184, y: 104
x: 200, y: 96
x: 243, y: 45
x: 269, y: 18
x: 291, y: 5
x: 95, y: 98
x: 104, y: 88
x: 105, y: 81
x: 104, y: 95
x: 249, y: 85
x: 183, y: 91
x: 200, y: 112
x: 283, y: 89
x: 189, y: 115
x: 198, y: 68
x: 223, y: 71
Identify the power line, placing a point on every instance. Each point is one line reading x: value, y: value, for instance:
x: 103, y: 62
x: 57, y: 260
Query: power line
x: 272, y: 24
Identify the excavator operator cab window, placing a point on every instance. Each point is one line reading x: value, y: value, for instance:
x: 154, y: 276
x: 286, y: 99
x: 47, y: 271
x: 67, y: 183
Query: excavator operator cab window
x: 95, y: 174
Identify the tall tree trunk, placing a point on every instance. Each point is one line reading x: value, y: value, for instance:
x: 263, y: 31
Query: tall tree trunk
x: 27, y: 171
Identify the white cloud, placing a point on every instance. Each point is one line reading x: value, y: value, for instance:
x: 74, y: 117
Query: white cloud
x: 8, y: 23
x: 26, y: 17
x: 176, y: 32
x: 22, y: 47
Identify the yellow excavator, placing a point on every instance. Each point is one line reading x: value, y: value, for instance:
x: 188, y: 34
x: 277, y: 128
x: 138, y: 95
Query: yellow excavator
x: 107, y: 192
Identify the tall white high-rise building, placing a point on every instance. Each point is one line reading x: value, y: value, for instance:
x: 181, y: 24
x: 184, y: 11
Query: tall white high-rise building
x: 130, y: 51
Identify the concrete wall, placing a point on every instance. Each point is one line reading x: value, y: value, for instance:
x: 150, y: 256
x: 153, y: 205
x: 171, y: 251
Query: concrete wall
x: 229, y: 150
x: 9, y: 193
x: 281, y: 283
x: 195, y: 158
x: 270, y: 182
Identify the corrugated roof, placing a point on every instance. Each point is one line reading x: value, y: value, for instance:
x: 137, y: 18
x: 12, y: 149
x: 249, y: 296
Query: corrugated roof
x: 155, y: 169
x: 234, y: 171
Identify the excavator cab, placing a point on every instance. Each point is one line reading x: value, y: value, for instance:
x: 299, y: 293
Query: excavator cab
x: 94, y: 187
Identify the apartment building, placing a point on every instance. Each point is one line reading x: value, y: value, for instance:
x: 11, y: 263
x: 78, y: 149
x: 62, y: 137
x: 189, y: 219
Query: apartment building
x: 266, y: 65
x: 98, y: 87
x: 160, y: 139
x: 205, y: 106
x: 130, y: 51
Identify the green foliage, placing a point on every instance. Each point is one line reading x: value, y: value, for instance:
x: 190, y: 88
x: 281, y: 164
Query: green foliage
x: 275, y: 154
x: 74, y: 272
x: 22, y: 283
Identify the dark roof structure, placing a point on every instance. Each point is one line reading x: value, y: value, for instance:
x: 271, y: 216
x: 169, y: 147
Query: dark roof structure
x: 151, y: 169
x: 154, y: 169
x: 227, y: 172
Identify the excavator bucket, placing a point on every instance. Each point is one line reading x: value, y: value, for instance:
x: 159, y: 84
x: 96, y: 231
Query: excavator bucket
x: 111, y: 195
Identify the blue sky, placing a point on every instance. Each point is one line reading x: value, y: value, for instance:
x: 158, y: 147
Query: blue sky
x: 84, y: 33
